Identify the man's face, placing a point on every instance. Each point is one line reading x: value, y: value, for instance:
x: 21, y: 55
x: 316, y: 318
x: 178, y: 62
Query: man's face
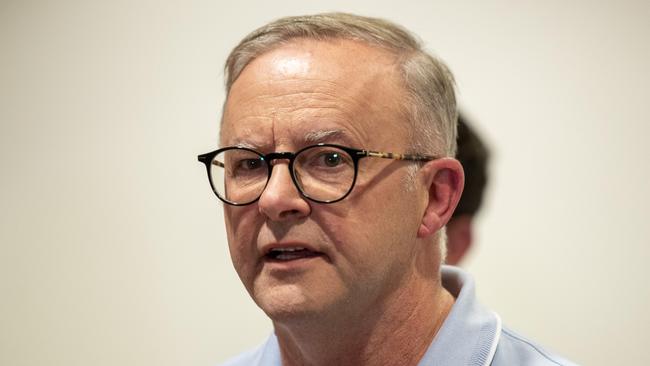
x: 358, y: 250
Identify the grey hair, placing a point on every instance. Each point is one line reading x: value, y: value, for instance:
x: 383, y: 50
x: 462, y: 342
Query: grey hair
x: 430, y: 101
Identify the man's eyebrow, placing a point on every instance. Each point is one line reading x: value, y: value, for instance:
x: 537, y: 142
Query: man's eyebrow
x: 315, y: 137
x: 246, y: 145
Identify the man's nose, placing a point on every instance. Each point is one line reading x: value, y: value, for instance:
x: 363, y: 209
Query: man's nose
x: 281, y: 199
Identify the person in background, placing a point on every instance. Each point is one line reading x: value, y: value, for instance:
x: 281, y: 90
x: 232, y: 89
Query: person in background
x: 473, y: 156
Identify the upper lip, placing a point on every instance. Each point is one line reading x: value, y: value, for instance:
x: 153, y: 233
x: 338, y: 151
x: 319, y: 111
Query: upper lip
x: 267, y: 248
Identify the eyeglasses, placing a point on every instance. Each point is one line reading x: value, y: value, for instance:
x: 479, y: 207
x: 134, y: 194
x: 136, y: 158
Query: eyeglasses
x: 323, y: 173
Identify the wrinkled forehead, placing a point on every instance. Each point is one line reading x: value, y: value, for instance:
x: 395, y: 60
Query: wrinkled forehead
x: 339, y: 81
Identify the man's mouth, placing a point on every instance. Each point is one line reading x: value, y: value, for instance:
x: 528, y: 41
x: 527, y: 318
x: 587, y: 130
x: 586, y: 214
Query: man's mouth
x: 290, y: 254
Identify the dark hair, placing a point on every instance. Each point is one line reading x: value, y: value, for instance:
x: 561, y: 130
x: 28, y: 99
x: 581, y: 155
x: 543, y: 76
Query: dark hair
x: 473, y: 155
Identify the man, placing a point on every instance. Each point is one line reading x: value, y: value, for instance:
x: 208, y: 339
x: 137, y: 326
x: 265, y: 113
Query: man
x: 473, y: 155
x: 337, y: 174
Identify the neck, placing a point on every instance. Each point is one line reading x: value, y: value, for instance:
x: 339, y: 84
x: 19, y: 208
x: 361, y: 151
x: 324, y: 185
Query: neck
x: 397, y: 331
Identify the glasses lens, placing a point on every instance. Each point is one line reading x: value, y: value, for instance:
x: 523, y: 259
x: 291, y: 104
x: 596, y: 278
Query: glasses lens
x: 324, y: 173
x: 239, y: 175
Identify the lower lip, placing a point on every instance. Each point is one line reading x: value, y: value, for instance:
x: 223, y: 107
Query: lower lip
x: 293, y: 264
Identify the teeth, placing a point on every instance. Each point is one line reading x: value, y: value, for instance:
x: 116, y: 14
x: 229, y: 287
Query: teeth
x: 290, y: 253
x: 293, y: 249
x: 287, y: 257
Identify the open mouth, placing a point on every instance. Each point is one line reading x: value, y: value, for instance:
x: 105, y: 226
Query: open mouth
x: 290, y: 254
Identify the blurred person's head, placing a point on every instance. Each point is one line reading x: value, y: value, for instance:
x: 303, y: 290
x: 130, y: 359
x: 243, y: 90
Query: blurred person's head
x: 473, y: 155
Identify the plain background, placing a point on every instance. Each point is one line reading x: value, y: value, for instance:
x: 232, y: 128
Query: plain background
x: 112, y: 246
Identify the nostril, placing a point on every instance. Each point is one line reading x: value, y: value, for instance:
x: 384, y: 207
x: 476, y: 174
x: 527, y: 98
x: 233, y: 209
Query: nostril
x: 288, y: 213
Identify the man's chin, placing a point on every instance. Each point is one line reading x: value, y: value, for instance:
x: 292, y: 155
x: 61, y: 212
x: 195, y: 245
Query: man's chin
x: 289, y: 302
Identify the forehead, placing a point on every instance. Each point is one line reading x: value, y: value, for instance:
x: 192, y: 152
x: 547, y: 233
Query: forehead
x: 339, y: 88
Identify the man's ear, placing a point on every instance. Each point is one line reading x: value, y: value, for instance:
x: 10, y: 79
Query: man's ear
x: 444, y: 179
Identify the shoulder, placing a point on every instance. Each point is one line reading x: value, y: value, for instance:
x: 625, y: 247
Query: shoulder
x: 245, y: 359
x: 514, y: 349
x: 267, y: 354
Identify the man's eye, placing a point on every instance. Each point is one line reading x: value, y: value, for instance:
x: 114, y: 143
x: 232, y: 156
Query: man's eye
x: 249, y: 164
x: 331, y: 159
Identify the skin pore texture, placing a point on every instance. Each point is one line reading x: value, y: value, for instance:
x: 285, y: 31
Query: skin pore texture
x: 372, y: 295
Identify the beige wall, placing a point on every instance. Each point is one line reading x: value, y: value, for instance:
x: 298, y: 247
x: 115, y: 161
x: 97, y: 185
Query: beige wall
x: 112, y: 249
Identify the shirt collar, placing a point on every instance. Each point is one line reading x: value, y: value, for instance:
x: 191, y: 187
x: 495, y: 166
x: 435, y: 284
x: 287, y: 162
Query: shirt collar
x: 470, y: 333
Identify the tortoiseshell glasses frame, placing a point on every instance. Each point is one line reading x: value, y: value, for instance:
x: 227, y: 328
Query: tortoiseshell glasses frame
x: 325, y: 157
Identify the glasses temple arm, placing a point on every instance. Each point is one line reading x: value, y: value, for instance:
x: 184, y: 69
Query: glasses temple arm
x: 395, y: 156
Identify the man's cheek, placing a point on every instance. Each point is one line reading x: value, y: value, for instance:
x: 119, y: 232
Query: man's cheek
x: 244, y: 265
x: 239, y: 226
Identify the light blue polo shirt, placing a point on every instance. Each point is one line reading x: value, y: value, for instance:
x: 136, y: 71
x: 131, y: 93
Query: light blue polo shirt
x: 470, y: 336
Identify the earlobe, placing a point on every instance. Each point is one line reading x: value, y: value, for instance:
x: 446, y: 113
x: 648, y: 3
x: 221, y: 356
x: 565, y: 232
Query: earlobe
x: 444, y: 179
